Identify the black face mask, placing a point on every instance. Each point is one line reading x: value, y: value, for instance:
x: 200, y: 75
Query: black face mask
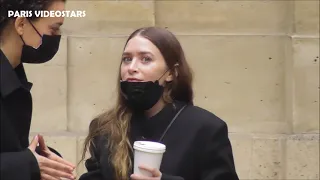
x: 45, y: 52
x: 141, y: 96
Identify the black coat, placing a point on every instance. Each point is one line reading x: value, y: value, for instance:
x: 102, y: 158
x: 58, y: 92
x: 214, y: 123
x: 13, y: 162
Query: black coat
x: 197, y: 146
x: 17, y: 161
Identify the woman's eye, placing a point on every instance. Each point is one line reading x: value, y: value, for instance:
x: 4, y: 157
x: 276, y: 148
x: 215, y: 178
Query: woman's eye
x: 146, y: 59
x: 126, y: 59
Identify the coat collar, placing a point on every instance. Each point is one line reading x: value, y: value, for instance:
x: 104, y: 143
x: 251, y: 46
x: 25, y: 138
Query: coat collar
x: 12, y: 78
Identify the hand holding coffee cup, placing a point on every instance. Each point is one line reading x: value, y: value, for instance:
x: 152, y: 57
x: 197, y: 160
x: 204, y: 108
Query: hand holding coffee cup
x: 147, y: 159
x: 155, y: 174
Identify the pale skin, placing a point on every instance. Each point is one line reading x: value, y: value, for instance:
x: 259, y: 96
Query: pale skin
x: 143, y: 61
x: 52, y: 167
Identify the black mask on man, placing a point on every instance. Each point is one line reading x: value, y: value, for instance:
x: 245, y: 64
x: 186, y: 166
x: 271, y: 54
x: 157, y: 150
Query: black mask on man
x: 45, y: 52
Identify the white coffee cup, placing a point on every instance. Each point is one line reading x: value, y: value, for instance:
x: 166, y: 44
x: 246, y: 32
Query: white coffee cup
x: 148, y: 154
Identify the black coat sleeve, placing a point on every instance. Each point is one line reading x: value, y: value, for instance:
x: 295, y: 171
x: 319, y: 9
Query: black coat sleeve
x: 93, y: 163
x: 216, y: 160
x: 19, y: 165
x: 170, y: 177
x: 98, y: 165
x: 216, y: 157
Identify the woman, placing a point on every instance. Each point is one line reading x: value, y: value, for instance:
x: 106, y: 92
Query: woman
x: 26, y: 40
x: 154, y: 85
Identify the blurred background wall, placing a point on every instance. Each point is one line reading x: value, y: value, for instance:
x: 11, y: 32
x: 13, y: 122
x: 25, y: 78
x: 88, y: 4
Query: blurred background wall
x: 256, y: 66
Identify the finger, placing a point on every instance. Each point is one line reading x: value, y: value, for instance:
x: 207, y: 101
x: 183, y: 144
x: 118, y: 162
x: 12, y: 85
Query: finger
x: 48, y: 177
x: 34, y: 143
x: 154, y: 171
x: 138, y: 177
x: 56, y: 165
x: 56, y: 173
x: 60, y: 160
x: 42, y: 144
x: 141, y: 177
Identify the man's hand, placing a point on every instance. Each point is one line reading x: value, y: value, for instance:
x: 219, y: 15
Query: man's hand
x: 52, y: 167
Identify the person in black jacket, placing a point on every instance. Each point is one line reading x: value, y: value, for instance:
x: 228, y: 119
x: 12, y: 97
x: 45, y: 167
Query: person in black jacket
x: 155, y: 85
x: 26, y: 40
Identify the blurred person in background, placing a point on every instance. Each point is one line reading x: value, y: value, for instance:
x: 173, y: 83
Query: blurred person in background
x: 26, y: 40
x: 154, y: 85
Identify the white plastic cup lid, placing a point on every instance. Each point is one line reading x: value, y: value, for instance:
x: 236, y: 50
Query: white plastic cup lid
x: 149, y: 146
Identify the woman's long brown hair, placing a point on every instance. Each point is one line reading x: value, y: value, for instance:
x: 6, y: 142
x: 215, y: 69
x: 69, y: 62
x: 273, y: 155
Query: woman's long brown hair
x: 115, y: 123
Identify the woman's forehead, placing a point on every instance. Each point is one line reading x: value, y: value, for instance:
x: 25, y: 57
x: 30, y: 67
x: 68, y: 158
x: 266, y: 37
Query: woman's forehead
x: 140, y: 44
